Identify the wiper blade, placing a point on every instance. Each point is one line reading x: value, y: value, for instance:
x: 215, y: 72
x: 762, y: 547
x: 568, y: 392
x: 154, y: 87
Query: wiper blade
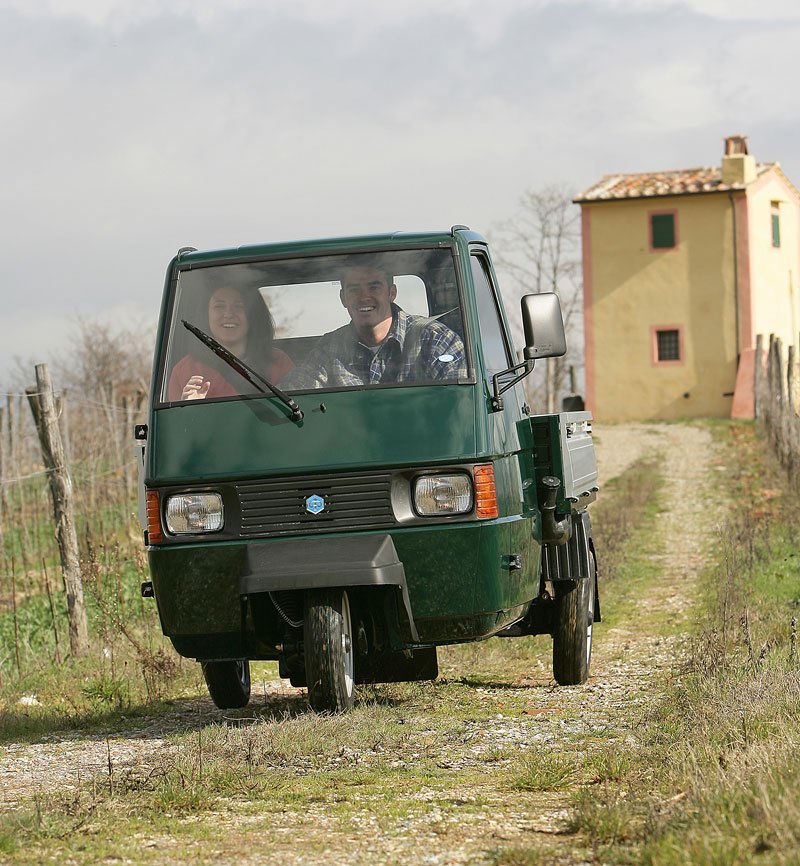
x: 254, y: 378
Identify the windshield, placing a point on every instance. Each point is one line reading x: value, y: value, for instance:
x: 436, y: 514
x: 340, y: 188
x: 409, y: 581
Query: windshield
x: 323, y: 322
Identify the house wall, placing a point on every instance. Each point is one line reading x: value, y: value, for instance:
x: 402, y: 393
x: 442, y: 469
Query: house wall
x: 631, y: 289
x: 774, y: 272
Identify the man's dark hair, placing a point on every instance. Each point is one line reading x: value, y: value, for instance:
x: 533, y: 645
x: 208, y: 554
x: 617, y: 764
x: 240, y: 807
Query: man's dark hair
x: 366, y: 260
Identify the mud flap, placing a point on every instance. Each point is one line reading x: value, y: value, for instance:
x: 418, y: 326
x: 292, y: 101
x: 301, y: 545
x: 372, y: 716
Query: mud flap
x: 318, y: 563
x: 400, y: 666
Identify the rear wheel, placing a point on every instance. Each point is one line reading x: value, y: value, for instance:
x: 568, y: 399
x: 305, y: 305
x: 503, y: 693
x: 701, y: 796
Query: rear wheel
x: 329, y: 651
x: 228, y: 683
x: 572, y: 636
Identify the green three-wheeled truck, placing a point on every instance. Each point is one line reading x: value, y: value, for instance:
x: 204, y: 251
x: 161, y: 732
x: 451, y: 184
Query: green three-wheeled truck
x: 345, y: 508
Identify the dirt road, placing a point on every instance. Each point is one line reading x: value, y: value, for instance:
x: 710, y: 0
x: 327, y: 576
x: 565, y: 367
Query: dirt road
x: 465, y: 820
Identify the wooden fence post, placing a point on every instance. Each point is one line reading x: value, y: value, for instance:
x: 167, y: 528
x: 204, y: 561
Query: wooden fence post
x: 4, y: 463
x: 779, y: 368
x: 43, y: 408
x: 127, y: 428
x: 759, y: 375
x: 769, y: 391
x: 12, y: 450
x: 13, y: 439
x: 63, y: 416
x: 780, y: 401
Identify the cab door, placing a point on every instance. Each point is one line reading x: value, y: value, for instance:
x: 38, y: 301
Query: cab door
x: 517, y: 555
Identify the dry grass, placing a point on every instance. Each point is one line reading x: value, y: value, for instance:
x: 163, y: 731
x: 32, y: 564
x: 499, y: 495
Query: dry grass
x: 712, y: 774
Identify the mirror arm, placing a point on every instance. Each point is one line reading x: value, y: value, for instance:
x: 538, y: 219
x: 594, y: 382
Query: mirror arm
x: 498, y: 389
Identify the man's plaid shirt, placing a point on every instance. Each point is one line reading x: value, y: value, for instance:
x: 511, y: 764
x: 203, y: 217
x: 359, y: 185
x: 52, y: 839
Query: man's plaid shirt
x: 416, y: 349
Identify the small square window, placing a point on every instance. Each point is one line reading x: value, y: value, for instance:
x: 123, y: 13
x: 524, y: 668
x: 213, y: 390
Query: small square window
x: 662, y: 231
x: 668, y: 345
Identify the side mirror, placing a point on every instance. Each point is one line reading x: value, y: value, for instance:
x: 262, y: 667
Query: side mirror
x: 544, y: 338
x: 544, y: 326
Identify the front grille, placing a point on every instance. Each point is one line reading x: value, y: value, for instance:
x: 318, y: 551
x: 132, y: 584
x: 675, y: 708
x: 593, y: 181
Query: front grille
x: 357, y: 500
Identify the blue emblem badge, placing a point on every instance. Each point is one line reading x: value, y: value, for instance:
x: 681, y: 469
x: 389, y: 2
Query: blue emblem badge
x: 315, y: 504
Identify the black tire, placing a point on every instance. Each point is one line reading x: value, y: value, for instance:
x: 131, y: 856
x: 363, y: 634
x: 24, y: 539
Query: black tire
x: 228, y: 683
x: 572, y: 635
x: 328, y: 647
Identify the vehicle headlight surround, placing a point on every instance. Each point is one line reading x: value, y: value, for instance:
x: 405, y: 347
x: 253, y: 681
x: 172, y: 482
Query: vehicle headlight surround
x: 192, y: 513
x: 443, y: 494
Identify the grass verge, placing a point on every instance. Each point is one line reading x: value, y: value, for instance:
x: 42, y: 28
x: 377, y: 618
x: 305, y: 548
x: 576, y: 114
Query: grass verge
x: 130, y: 668
x: 711, y: 776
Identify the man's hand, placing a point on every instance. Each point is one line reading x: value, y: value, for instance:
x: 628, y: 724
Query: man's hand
x: 195, y: 389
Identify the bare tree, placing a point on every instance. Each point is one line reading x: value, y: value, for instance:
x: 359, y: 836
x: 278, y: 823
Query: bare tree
x: 106, y: 377
x: 103, y: 359
x: 538, y: 250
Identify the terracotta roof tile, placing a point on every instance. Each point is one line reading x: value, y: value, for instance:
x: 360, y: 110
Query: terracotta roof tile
x: 650, y: 184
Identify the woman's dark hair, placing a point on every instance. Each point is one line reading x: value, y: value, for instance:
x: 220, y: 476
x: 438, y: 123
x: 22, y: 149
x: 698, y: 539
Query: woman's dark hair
x: 260, y: 332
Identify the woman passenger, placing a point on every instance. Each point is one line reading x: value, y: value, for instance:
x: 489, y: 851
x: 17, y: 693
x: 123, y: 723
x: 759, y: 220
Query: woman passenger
x: 241, y: 322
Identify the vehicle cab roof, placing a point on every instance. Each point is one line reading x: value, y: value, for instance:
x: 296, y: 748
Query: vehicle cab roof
x: 188, y: 256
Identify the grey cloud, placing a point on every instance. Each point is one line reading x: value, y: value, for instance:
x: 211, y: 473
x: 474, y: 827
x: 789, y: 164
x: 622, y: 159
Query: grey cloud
x: 122, y: 143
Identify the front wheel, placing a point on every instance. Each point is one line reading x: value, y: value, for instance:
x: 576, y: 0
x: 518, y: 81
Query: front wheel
x: 328, y: 650
x: 228, y: 683
x: 572, y: 636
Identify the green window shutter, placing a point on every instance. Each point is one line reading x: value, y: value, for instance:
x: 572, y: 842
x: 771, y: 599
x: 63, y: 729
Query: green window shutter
x: 776, y: 230
x: 662, y: 230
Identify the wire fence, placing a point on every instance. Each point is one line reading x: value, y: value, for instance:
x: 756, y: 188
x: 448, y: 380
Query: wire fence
x: 777, y: 402
x: 100, y: 451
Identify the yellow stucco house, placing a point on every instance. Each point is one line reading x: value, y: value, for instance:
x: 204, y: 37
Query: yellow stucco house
x: 681, y: 270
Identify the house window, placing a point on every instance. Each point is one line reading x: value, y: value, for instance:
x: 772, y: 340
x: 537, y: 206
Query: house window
x: 776, y: 223
x: 667, y: 342
x: 669, y: 346
x: 663, y: 231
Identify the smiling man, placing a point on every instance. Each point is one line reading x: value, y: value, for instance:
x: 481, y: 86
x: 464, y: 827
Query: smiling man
x: 382, y: 343
x: 368, y: 293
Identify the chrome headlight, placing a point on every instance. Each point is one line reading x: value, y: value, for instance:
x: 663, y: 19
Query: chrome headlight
x: 194, y: 512
x: 439, y: 495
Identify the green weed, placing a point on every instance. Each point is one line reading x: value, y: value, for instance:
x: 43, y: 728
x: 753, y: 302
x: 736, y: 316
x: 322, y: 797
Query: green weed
x: 605, y: 819
x: 543, y: 770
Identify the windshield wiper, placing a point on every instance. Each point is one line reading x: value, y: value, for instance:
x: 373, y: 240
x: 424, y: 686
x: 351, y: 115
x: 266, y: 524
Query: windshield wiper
x: 255, y: 379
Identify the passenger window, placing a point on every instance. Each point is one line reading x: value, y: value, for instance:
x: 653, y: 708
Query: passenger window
x: 495, y: 349
x: 320, y: 307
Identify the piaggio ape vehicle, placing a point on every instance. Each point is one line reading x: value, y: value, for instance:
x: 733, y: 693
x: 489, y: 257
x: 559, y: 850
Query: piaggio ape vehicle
x: 346, y: 523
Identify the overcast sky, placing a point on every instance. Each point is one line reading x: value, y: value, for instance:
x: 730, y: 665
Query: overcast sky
x: 131, y: 128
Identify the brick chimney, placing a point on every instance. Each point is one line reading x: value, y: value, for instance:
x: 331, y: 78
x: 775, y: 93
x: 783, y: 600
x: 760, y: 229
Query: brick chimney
x: 738, y: 166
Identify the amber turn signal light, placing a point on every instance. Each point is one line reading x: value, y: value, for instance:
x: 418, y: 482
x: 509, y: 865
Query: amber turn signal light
x: 154, y: 533
x: 485, y: 492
